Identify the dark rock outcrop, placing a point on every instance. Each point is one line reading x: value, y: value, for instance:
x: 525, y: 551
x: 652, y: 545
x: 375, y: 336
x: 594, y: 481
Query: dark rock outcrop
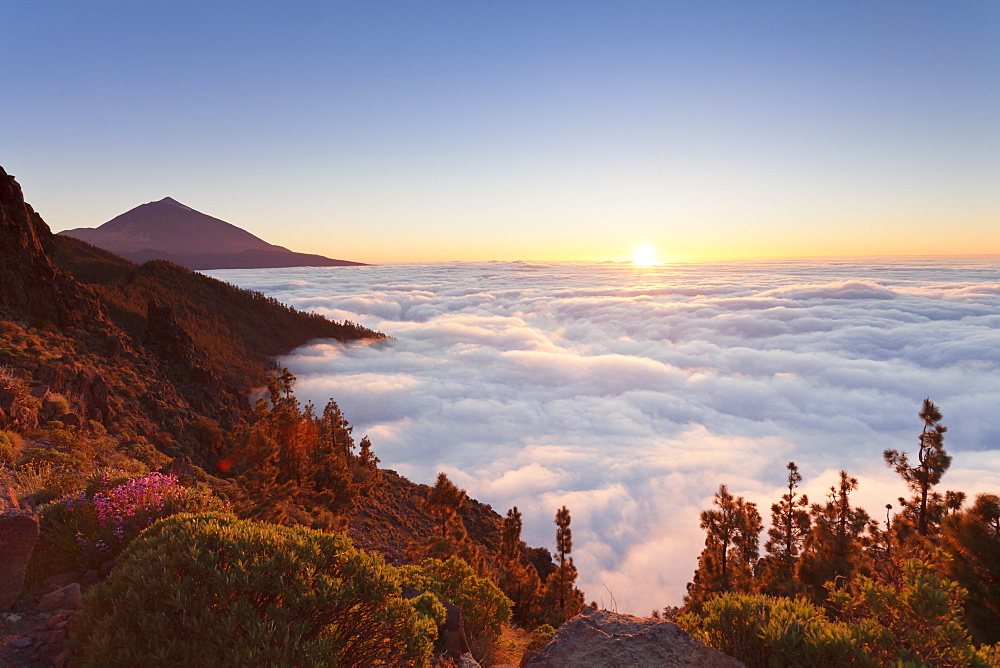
x: 165, y: 338
x: 598, y: 638
x: 29, y: 281
x: 18, y: 533
x: 69, y: 597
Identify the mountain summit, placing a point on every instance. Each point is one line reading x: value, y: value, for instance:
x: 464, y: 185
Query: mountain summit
x: 169, y: 230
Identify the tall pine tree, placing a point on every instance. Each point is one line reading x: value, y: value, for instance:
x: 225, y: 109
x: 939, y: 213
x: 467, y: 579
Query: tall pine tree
x: 444, y: 501
x: 832, y: 550
x: 519, y: 580
x: 789, y: 526
x: 562, y: 599
x: 727, y: 563
x: 932, y: 462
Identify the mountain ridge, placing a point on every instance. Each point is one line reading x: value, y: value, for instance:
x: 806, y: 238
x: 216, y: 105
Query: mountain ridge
x: 163, y: 361
x: 167, y: 229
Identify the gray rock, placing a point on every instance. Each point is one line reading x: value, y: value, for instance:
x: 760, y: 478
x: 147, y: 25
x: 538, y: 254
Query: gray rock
x: 64, y: 598
x: 599, y: 639
x: 466, y: 661
x: 18, y: 533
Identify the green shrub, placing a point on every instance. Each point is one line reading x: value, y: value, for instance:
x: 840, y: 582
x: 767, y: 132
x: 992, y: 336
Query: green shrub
x: 80, y: 451
x: 55, y: 404
x: 214, y: 590
x: 765, y: 631
x: 540, y: 637
x: 10, y: 448
x: 58, y: 481
x: 915, y: 618
x: 485, y: 608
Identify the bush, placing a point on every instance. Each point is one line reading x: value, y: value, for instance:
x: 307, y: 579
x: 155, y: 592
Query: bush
x: 485, y: 608
x: 10, y: 448
x: 915, y: 618
x: 214, y: 590
x: 75, y: 450
x: 55, y: 404
x: 94, y: 524
x: 540, y: 637
x: 767, y: 631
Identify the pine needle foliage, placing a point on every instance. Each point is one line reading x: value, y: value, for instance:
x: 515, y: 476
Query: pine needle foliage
x: 932, y: 462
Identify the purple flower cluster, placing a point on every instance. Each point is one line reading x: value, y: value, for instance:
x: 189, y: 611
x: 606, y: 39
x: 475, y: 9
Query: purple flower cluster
x: 118, y: 514
x: 130, y: 507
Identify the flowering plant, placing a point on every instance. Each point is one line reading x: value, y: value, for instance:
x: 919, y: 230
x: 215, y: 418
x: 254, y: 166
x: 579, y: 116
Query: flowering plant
x: 95, y: 524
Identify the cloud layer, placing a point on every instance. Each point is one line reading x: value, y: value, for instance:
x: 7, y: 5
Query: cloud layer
x: 630, y: 394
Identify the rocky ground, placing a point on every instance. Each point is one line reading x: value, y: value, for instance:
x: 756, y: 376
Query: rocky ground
x: 34, y: 631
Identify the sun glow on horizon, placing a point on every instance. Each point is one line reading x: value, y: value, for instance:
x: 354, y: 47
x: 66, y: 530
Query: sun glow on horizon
x: 644, y: 256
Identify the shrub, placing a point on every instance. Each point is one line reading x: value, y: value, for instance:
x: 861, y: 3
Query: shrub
x: 915, y: 618
x: 55, y: 404
x: 540, y: 637
x: 485, y: 608
x: 94, y: 524
x: 764, y: 631
x: 75, y: 450
x: 214, y: 590
x: 10, y: 448
x: 53, y: 481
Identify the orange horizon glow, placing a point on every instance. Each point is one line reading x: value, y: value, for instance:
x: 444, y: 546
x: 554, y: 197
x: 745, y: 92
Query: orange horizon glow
x: 381, y: 257
x: 608, y: 246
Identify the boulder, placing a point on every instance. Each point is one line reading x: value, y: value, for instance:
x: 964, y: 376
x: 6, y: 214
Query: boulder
x: 69, y: 597
x: 466, y: 660
x: 599, y: 638
x: 18, y: 533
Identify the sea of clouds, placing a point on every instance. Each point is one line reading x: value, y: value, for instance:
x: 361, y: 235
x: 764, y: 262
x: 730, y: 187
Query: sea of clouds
x: 630, y: 394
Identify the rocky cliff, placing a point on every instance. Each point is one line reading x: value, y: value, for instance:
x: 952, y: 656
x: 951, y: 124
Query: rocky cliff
x: 140, y: 347
x: 30, y: 283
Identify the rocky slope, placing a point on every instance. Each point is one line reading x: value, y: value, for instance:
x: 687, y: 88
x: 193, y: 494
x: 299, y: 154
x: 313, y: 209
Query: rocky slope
x: 105, y: 353
x: 148, y: 349
x: 30, y: 283
x: 152, y: 349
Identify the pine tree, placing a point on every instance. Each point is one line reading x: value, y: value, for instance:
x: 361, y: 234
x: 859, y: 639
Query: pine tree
x: 444, y: 500
x: 932, y: 462
x: 789, y: 526
x: 519, y: 580
x: 300, y: 468
x: 972, y: 538
x: 562, y: 599
x: 731, y: 548
x: 832, y: 549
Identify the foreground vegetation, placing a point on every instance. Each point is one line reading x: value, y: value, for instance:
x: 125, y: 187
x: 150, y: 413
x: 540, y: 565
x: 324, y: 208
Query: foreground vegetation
x: 837, y: 587
x: 262, y: 543
x: 125, y: 423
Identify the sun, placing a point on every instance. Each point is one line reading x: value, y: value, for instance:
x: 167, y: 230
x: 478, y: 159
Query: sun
x: 644, y: 256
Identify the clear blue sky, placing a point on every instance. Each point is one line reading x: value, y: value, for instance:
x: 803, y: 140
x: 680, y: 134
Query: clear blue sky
x: 396, y: 131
